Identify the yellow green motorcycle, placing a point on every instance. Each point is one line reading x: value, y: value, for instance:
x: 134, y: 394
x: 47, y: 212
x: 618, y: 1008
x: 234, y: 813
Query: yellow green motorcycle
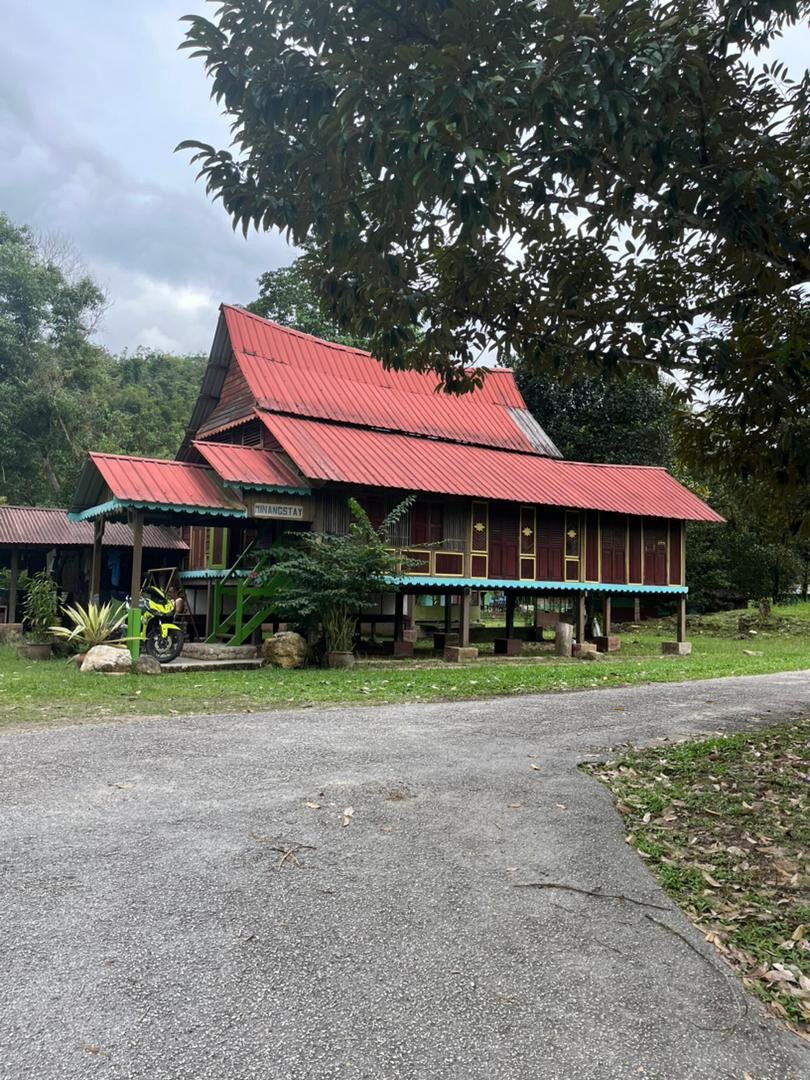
x: 161, y: 637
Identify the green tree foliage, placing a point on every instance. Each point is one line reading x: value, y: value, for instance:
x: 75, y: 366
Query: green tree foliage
x: 286, y: 296
x: 326, y: 579
x: 149, y: 400
x: 624, y: 420
x: 593, y: 183
x: 60, y: 394
x: 49, y: 369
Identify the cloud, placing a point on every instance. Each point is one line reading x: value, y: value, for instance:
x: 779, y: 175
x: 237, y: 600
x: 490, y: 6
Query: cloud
x: 164, y: 253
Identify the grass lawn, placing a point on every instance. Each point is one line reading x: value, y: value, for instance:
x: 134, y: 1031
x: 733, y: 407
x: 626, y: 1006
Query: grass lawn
x: 723, y: 824
x: 54, y: 691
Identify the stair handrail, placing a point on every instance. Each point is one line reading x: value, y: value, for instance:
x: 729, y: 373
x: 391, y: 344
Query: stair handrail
x: 232, y: 570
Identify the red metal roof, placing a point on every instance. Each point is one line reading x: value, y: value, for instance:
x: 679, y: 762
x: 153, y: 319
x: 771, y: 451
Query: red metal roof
x: 42, y: 526
x: 379, y: 459
x: 246, y: 465
x: 291, y: 372
x: 170, y: 483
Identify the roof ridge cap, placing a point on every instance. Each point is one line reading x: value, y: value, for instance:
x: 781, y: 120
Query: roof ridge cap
x: 295, y: 333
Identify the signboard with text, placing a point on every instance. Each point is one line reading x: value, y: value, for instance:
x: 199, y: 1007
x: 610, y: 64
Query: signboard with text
x: 288, y: 510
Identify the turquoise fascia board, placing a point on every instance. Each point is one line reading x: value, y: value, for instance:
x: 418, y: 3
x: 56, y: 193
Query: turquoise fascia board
x: 277, y: 489
x: 210, y: 575
x: 125, y: 504
x: 498, y: 584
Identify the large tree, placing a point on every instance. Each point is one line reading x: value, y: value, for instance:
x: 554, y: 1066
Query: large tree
x: 596, y: 182
x: 50, y: 371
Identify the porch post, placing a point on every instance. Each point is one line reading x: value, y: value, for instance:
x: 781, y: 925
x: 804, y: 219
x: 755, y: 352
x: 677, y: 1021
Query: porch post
x: 510, y: 614
x: 681, y: 618
x: 464, y: 619
x: 448, y: 613
x: 580, y: 617
x: 95, y: 572
x: 134, y: 621
x: 14, y: 571
x: 399, y: 619
x: 636, y: 609
x: 608, y: 614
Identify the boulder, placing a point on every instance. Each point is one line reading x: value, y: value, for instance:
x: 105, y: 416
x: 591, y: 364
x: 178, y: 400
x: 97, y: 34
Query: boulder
x: 285, y: 649
x: 148, y: 665
x: 106, y: 658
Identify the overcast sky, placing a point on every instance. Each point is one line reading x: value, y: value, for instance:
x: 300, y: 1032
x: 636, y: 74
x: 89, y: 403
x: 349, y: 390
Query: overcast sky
x: 93, y: 99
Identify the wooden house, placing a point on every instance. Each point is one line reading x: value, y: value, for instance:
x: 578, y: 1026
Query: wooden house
x: 286, y: 427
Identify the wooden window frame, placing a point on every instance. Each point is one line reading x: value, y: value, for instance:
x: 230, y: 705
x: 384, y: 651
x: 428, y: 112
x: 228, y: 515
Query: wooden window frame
x: 572, y: 559
x: 475, y: 550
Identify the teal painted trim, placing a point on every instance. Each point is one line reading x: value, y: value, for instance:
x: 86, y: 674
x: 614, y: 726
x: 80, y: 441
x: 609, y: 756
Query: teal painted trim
x: 95, y: 511
x: 273, y: 488
x: 128, y: 504
x: 210, y: 575
x: 491, y: 584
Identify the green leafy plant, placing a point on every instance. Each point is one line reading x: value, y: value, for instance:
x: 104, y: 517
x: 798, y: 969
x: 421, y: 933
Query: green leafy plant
x: 40, y: 607
x: 91, y: 625
x: 324, y: 580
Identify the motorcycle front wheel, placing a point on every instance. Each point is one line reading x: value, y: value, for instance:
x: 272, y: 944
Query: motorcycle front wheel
x: 165, y: 648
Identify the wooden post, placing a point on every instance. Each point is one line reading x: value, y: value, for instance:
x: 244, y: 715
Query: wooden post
x: 681, y: 618
x: 95, y: 571
x: 636, y: 609
x: 608, y: 614
x: 134, y: 622
x: 399, y: 619
x: 448, y: 612
x: 464, y: 619
x: 12, y: 585
x: 510, y: 614
x: 580, y: 618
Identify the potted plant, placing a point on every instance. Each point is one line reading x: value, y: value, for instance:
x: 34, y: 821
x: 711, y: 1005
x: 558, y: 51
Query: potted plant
x: 40, y: 613
x: 324, y: 580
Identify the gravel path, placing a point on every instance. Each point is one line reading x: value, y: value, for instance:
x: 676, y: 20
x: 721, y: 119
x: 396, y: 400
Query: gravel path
x: 149, y: 929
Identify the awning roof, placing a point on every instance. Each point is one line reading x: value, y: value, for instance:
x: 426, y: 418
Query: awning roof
x: 248, y: 467
x: 332, y: 452
x: 42, y: 526
x: 111, y: 482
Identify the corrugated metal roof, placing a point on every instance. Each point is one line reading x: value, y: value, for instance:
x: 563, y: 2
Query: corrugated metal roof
x: 378, y: 459
x: 291, y: 372
x: 43, y: 526
x: 248, y: 466
x: 173, y: 483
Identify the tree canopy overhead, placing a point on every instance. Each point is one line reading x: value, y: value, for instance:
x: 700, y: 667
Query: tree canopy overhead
x: 557, y: 179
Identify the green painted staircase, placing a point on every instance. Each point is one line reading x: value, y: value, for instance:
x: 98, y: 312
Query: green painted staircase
x: 250, y: 602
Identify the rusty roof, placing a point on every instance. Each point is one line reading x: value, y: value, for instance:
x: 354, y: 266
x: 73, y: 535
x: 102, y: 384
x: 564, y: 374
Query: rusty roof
x: 289, y: 372
x: 333, y: 452
x: 43, y: 526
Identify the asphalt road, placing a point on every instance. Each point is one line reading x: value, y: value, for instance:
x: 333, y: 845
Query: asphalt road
x: 149, y: 929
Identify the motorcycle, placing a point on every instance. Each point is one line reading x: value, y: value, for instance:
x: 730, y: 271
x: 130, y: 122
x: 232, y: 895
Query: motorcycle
x: 162, y: 638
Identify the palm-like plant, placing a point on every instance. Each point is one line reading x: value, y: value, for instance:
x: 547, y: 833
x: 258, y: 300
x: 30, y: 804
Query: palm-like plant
x: 91, y: 625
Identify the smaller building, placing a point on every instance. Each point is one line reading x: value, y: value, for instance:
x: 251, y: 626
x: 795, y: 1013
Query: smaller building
x: 34, y: 538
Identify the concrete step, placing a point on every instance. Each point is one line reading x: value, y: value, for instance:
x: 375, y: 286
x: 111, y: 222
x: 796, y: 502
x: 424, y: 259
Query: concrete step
x: 202, y: 650
x: 183, y: 665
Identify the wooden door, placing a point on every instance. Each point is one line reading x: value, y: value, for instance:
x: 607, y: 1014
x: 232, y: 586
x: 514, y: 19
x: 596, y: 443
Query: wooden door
x: 550, y: 530
x: 504, y: 528
x: 614, y: 535
x: 655, y: 553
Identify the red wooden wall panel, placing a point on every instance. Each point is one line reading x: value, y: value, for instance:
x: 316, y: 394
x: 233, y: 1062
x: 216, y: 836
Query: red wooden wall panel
x: 550, y: 527
x: 675, y: 553
x: 592, y: 546
x: 635, y: 554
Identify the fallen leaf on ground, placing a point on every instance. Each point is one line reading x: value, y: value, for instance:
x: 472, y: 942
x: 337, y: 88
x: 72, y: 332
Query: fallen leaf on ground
x: 533, y: 766
x: 348, y: 814
x: 313, y: 805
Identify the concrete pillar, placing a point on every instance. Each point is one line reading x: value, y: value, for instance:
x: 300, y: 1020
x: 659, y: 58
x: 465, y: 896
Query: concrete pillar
x: 464, y: 619
x: 511, y: 598
x: 14, y: 572
x: 580, y: 617
x: 95, y: 571
x: 448, y: 613
x: 608, y: 613
x: 681, y: 618
x: 563, y: 635
x: 399, y: 619
x: 636, y: 609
